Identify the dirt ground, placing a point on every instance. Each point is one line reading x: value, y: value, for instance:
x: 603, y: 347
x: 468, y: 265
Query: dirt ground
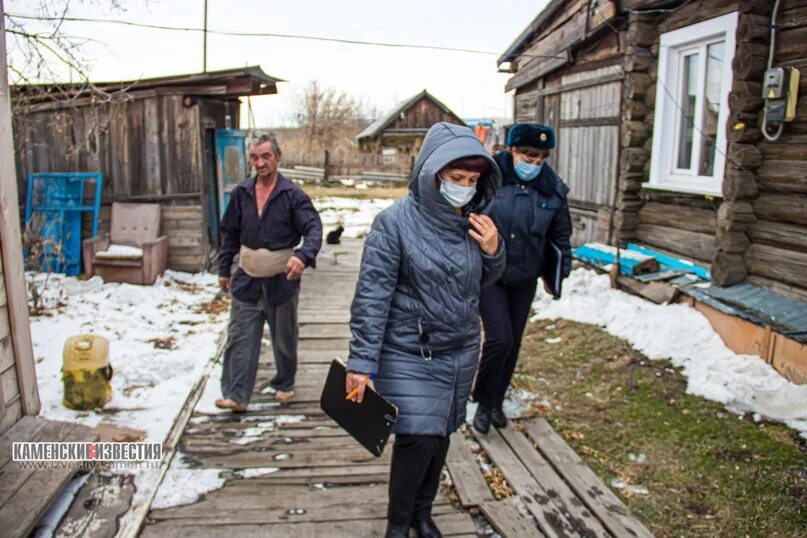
x: 707, y: 471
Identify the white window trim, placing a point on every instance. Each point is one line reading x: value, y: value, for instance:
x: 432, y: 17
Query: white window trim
x: 665, y: 133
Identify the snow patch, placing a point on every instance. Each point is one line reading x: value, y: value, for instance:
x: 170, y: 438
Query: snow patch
x: 743, y: 383
x: 184, y: 485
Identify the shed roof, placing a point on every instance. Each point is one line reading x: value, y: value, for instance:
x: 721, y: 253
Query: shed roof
x: 378, y: 125
x: 236, y: 82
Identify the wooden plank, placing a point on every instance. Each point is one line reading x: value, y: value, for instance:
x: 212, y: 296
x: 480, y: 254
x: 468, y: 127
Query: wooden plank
x: 15, y: 476
x: 465, y: 473
x: 24, y: 430
x: 351, y: 474
x: 508, y: 521
x: 273, y: 515
x: 596, y: 495
x: 286, y: 459
x: 457, y: 524
x: 560, y: 494
x: 97, y: 506
x: 551, y: 519
x: 11, y: 414
x: 20, y: 513
x: 8, y: 385
x: 252, y: 495
x: 10, y: 247
x: 324, y: 330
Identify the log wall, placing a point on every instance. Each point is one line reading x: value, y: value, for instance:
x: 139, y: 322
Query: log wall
x: 776, y: 256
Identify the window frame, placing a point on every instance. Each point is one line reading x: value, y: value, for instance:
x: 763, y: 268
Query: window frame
x: 674, y: 47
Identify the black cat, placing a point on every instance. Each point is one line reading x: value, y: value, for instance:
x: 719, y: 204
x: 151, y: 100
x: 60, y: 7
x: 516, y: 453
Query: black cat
x: 333, y: 237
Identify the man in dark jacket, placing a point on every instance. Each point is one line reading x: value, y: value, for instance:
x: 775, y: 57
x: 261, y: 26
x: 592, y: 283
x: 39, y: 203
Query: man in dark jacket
x: 530, y: 211
x: 264, y: 222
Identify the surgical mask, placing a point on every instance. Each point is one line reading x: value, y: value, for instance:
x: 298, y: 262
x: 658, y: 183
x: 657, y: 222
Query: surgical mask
x: 526, y: 171
x: 457, y: 195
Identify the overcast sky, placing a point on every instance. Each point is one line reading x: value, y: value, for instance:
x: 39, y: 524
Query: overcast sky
x: 467, y: 83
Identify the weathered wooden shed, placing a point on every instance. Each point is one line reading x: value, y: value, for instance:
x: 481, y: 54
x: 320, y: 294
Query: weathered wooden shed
x: 401, y: 130
x: 658, y: 107
x: 154, y: 140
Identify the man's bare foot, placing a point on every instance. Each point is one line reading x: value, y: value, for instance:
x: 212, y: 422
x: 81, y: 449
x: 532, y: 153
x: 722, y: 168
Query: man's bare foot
x: 284, y: 395
x: 226, y: 403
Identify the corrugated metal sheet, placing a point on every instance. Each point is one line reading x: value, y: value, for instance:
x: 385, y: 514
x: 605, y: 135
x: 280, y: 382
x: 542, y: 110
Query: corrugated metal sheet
x: 758, y: 305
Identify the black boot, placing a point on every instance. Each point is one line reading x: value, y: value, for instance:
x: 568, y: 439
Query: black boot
x: 482, y: 419
x: 396, y: 531
x: 425, y: 528
x: 497, y: 418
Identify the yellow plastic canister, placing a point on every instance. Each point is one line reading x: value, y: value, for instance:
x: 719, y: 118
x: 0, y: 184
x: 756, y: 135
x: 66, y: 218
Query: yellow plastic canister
x: 86, y: 372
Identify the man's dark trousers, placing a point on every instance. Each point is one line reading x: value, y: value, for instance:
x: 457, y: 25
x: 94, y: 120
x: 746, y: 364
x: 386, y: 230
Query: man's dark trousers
x: 244, y: 346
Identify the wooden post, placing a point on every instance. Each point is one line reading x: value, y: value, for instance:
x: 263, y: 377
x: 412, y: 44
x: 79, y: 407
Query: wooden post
x: 11, y: 244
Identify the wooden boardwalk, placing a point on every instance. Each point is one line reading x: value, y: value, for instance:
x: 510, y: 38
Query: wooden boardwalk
x: 26, y: 492
x: 290, y: 471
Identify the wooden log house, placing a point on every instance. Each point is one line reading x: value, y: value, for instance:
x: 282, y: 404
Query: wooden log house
x: 658, y: 107
x: 400, y: 132
x: 154, y: 140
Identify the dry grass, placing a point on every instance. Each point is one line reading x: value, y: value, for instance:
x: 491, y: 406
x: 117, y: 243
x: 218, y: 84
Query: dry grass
x: 708, y: 473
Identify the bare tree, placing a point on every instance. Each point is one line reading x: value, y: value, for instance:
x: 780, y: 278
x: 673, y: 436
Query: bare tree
x: 42, y: 56
x: 326, y: 113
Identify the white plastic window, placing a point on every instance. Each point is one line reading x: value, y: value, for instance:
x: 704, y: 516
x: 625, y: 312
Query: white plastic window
x: 693, y: 85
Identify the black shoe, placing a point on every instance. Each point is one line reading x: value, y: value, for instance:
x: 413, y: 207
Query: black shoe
x: 396, y: 531
x: 425, y: 528
x: 482, y: 419
x: 497, y: 418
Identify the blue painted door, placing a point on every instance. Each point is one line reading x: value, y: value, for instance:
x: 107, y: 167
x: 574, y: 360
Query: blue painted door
x: 231, y: 162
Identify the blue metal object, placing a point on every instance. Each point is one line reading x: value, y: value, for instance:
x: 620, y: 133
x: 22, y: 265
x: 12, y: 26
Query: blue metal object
x: 54, y: 206
x: 668, y: 263
x: 601, y: 258
x: 231, y: 162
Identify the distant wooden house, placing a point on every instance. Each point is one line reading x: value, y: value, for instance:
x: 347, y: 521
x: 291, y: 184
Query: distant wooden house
x: 400, y: 132
x: 168, y: 140
x: 658, y: 108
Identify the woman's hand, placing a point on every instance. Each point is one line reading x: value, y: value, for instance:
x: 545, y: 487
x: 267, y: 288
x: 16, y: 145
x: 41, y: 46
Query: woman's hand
x: 357, y: 382
x: 485, y: 233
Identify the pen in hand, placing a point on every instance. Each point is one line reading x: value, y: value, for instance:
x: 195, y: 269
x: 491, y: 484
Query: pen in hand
x: 355, y: 391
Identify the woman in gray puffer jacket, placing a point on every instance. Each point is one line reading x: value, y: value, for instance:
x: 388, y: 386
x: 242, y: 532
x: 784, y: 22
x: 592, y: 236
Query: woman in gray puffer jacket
x: 415, y: 315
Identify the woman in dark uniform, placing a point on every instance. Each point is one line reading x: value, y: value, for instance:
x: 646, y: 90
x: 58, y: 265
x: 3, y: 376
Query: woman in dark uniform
x: 530, y: 210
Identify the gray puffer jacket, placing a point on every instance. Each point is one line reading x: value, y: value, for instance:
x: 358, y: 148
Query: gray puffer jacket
x: 415, y: 314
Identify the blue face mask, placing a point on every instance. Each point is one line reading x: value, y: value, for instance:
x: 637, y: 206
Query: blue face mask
x: 457, y: 195
x: 526, y: 171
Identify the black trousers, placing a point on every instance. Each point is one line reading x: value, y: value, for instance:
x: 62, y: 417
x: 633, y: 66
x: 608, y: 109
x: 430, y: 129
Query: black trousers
x: 417, y: 461
x: 504, y: 312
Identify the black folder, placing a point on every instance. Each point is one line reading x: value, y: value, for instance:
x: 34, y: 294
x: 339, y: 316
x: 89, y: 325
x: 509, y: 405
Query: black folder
x: 369, y: 422
x: 552, y: 271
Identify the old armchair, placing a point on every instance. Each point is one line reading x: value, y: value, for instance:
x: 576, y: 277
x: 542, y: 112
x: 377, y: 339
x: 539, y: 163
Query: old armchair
x: 132, y: 251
